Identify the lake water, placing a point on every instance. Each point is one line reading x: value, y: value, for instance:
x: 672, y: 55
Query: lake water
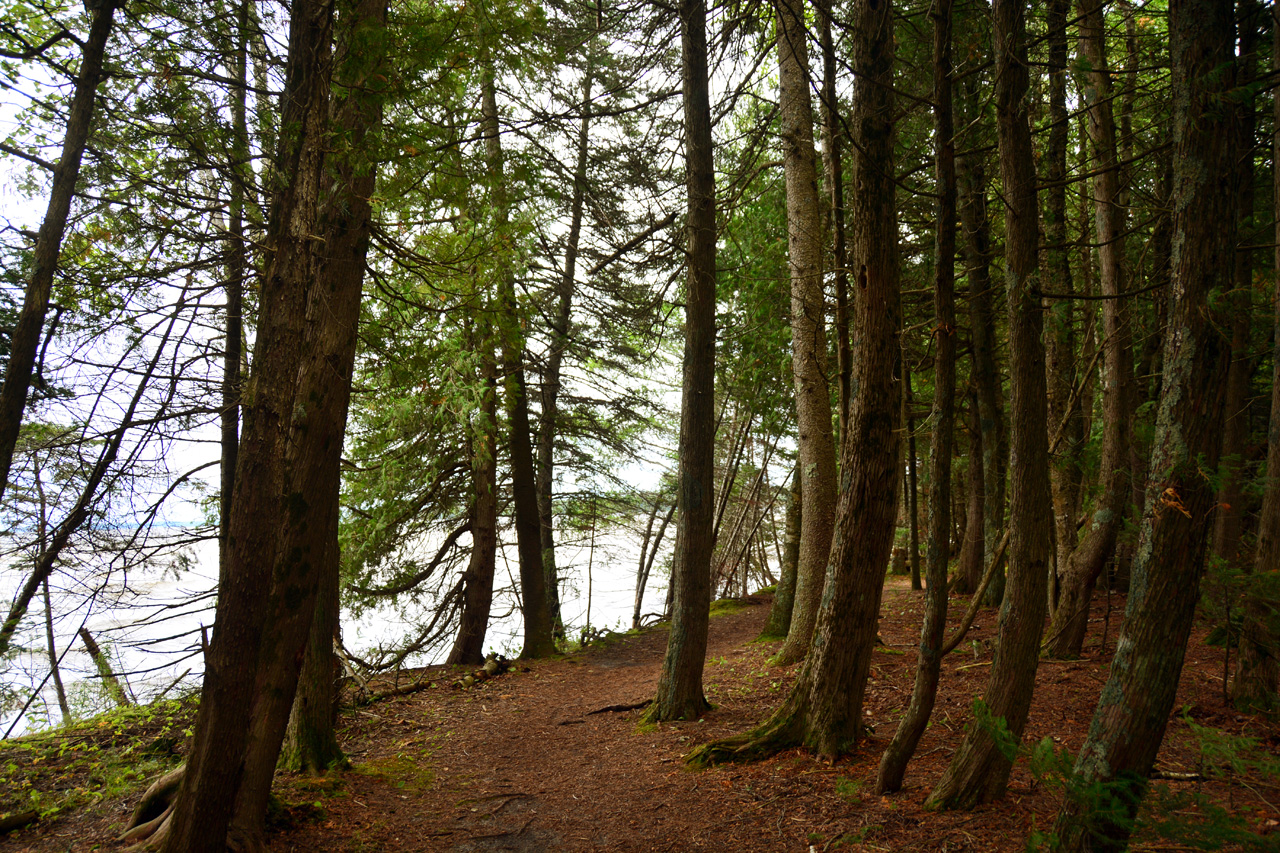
x: 148, y: 620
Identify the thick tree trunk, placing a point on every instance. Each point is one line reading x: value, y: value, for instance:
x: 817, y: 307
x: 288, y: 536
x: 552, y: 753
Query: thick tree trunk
x: 979, y: 771
x: 24, y: 343
x: 779, y: 621
x: 1060, y: 339
x: 216, y: 764
x: 1085, y: 565
x: 1128, y: 725
x: 893, y: 764
x: 808, y: 335
x: 680, y: 695
x: 824, y: 709
x: 477, y: 582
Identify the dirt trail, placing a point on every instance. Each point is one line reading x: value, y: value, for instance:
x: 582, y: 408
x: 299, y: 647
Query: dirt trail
x: 521, y: 762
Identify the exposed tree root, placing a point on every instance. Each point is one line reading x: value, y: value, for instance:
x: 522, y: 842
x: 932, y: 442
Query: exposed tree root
x: 784, y: 730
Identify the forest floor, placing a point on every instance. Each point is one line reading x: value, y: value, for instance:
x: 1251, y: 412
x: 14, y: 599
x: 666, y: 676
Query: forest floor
x: 533, y: 760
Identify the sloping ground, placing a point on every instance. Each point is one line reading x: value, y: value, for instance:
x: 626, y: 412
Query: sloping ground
x: 532, y: 761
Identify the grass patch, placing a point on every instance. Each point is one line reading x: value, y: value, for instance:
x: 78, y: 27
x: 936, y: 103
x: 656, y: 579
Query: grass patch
x: 106, y: 758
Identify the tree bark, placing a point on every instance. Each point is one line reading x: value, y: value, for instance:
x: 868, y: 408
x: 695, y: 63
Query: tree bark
x: 1060, y: 340
x: 969, y: 570
x: 1085, y: 565
x: 833, y: 168
x: 779, y: 621
x: 893, y: 764
x: 477, y: 582
x: 555, y: 358
x: 912, y: 501
x: 971, y: 181
x: 1111, y: 772
x: 1257, y: 677
x: 680, y: 695
x: 979, y: 771
x: 824, y: 709
x: 539, y: 634
x: 25, y: 341
x: 808, y: 335
x: 262, y: 501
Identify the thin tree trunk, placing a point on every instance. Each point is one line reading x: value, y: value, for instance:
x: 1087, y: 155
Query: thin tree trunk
x: 979, y: 770
x: 912, y: 502
x: 680, y: 693
x: 539, y: 634
x: 24, y: 344
x: 1060, y: 341
x: 237, y: 267
x: 971, y: 565
x: 808, y: 335
x: 101, y: 663
x: 1085, y: 565
x: 477, y: 581
x: 832, y: 145
x: 646, y: 565
x: 1257, y: 678
x: 780, y: 612
x: 1128, y: 726
x: 893, y: 764
x: 63, y: 707
x: 971, y: 181
x: 555, y: 358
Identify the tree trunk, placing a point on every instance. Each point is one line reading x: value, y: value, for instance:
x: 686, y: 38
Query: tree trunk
x: 555, y: 358
x: 971, y: 182
x: 680, y: 695
x: 101, y: 663
x: 477, y: 582
x: 220, y: 749
x: 24, y: 343
x: 539, y: 635
x: 1229, y: 514
x: 969, y: 570
x: 1129, y: 723
x: 1060, y: 339
x: 979, y: 771
x: 824, y: 709
x: 808, y: 335
x: 1085, y: 565
x: 833, y: 168
x: 893, y: 764
x: 912, y: 501
x: 651, y: 545
x: 779, y: 621
x: 1257, y: 678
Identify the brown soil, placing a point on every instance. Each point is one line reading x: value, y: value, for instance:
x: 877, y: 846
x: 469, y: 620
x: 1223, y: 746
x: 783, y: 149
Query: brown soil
x: 529, y: 761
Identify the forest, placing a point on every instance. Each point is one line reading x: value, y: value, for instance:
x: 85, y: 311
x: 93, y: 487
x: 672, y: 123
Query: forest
x: 883, y: 335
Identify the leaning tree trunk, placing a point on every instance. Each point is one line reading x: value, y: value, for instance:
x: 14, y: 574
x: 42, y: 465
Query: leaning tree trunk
x: 1111, y: 772
x: 24, y: 343
x: 979, y: 771
x: 824, y: 709
x: 1258, y: 662
x: 893, y: 764
x: 680, y: 695
x: 1085, y: 565
x: 808, y: 335
x: 211, y: 785
x: 346, y: 220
